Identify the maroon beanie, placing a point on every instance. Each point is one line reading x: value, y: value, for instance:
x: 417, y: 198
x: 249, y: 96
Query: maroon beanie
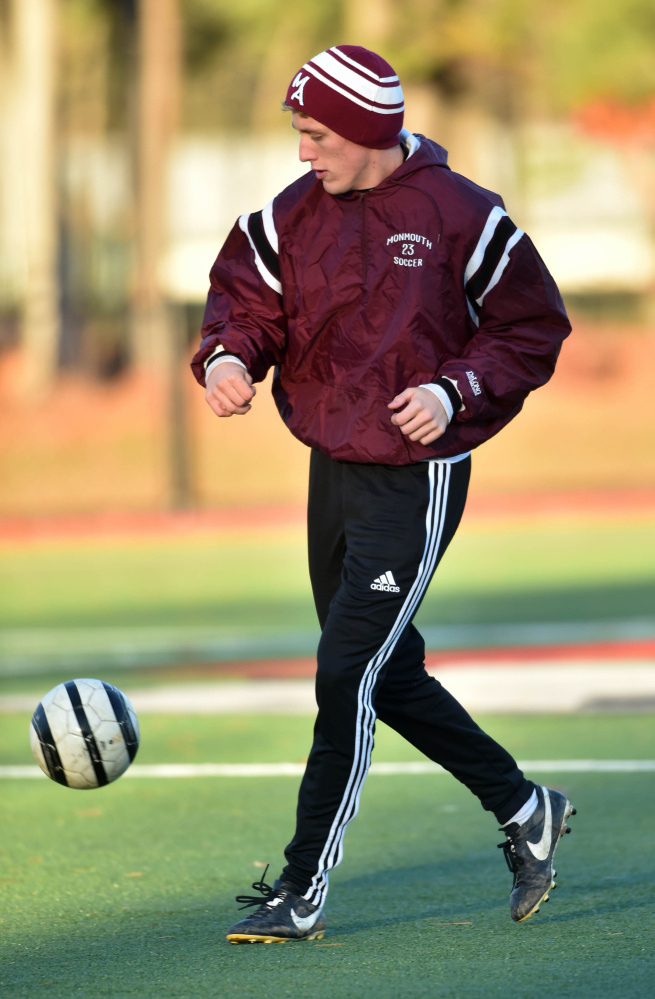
x: 352, y: 91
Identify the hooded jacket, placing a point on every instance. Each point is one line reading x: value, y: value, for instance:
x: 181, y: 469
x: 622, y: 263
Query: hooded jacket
x: 354, y: 298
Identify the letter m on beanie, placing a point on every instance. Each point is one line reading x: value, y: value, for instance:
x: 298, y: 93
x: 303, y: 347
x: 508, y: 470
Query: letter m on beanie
x: 298, y: 81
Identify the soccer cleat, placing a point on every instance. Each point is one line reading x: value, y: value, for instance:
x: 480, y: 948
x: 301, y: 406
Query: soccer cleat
x: 283, y: 915
x: 529, y: 851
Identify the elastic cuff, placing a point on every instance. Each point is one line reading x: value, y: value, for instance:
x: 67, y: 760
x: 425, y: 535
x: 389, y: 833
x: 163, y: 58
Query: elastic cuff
x: 450, y: 388
x: 217, y: 359
x: 442, y: 396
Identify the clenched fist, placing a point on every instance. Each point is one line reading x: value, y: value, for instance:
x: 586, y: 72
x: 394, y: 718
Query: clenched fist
x: 420, y: 415
x: 229, y: 389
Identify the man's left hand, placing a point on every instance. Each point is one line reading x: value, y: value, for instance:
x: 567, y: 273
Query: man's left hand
x: 420, y: 415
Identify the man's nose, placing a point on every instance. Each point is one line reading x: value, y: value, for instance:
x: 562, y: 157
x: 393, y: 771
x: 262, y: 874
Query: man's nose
x: 306, y: 153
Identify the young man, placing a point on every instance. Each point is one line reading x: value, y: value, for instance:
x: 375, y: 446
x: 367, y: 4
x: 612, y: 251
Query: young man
x: 407, y: 318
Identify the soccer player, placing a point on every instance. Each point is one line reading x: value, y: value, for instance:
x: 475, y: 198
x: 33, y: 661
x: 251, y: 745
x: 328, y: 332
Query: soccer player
x: 406, y: 318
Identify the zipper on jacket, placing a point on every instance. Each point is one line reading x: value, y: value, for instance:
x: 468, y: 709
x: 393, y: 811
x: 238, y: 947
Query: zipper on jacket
x: 364, y: 247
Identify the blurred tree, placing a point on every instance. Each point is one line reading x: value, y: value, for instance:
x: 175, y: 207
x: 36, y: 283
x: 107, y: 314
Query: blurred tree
x: 598, y: 48
x: 158, y: 94
x: 29, y: 178
x: 95, y: 196
x: 159, y: 340
x: 546, y: 56
x: 238, y: 57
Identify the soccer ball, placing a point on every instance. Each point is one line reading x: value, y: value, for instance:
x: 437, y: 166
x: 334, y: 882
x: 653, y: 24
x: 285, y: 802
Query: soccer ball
x: 84, y: 733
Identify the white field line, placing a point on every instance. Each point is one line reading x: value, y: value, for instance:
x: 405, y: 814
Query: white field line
x: 377, y: 769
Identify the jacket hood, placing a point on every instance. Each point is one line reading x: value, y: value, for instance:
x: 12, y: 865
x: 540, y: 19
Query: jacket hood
x: 422, y: 154
x: 430, y: 151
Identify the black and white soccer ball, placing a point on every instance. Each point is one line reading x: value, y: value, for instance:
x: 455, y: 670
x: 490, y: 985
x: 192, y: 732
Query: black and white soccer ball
x: 84, y: 733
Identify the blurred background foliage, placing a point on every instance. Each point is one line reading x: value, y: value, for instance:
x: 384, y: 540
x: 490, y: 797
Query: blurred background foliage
x: 133, y: 132
x: 515, y: 57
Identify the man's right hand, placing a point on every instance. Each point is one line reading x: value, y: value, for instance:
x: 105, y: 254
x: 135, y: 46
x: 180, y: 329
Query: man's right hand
x: 229, y: 389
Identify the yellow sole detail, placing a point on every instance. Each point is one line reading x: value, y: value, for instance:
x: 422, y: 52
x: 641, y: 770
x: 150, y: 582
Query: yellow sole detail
x: 244, y: 938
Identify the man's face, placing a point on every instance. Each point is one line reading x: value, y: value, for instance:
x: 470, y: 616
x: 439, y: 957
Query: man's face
x: 340, y: 165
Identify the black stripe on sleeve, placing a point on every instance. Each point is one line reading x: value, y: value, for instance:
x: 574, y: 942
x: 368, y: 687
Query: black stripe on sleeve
x: 87, y: 733
x: 221, y: 352
x: 264, y: 248
x: 451, y: 392
x: 120, y: 709
x: 217, y: 353
x: 48, y: 746
x: 492, y: 256
x: 474, y: 305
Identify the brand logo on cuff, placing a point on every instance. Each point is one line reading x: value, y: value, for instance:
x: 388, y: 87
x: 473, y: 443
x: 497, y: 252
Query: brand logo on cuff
x: 385, y: 582
x: 474, y: 383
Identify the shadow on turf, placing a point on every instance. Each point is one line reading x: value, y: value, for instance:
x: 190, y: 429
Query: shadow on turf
x: 151, y: 954
x: 454, y: 892
x: 173, y: 946
x: 472, y: 889
x: 180, y: 948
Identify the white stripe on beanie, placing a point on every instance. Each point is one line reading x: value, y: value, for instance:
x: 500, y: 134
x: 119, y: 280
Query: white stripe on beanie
x: 363, y: 69
x: 355, y: 85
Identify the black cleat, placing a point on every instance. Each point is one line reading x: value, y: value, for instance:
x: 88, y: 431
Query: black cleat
x: 283, y: 915
x: 529, y: 851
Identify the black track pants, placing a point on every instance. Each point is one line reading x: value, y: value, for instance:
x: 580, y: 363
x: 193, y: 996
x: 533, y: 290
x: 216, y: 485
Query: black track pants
x: 376, y: 535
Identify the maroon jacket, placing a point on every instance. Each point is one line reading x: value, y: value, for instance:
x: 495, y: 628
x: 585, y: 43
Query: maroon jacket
x: 355, y: 297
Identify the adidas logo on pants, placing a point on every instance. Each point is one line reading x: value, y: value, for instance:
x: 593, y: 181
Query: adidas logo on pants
x: 385, y: 582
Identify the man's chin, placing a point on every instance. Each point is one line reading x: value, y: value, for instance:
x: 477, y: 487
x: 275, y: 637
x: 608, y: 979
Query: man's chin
x: 334, y: 187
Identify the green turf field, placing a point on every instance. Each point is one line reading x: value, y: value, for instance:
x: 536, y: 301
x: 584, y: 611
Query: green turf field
x: 130, y: 602
x: 586, y: 568
x: 126, y: 891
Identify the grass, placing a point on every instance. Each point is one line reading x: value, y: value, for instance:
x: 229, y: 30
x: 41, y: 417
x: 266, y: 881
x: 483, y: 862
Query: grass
x: 586, y: 569
x: 277, y: 739
x: 127, y: 605
x: 127, y: 891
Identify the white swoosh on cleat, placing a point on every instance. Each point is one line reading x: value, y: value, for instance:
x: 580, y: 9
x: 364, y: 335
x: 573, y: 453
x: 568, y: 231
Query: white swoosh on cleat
x: 305, y: 922
x: 541, y: 849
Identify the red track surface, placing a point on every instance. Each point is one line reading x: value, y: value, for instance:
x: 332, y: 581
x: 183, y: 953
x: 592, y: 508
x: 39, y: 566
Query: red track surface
x: 272, y: 669
x: 159, y: 523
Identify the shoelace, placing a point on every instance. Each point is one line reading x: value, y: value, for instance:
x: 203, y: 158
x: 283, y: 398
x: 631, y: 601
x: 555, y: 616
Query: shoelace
x: 264, y: 889
x: 512, y: 859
